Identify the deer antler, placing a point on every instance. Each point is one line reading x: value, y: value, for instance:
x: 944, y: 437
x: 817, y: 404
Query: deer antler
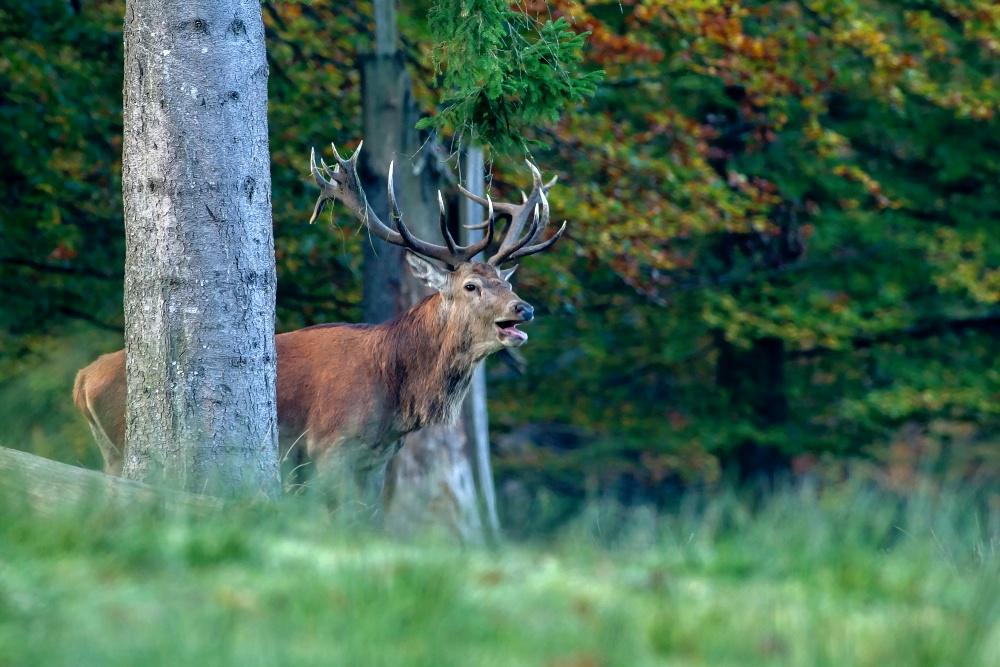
x: 534, y: 207
x: 343, y: 183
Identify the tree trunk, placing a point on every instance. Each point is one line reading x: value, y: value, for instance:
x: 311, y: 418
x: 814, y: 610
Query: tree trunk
x: 199, y: 266
x: 754, y: 382
x: 430, y: 482
x: 474, y: 412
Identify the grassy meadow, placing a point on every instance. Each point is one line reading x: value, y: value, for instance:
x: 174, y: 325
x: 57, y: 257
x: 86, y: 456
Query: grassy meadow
x: 843, y: 577
x: 781, y: 260
x: 839, y: 575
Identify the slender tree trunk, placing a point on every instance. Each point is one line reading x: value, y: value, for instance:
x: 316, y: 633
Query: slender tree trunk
x: 199, y: 267
x: 430, y: 482
x: 385, y: 97
x: 754, y: 382
x: 475, y: 414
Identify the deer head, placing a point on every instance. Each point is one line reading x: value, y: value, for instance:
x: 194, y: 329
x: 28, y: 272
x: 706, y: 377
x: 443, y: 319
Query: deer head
x: 476, y: 296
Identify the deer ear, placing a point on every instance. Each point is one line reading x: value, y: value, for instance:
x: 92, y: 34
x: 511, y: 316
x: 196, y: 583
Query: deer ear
x: 427, y: 273
x: 507, y: 273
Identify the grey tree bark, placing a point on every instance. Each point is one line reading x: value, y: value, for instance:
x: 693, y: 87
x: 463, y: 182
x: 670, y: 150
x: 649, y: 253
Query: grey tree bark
x: 430, y: 483
x: 199, y: 266
x: 475, y: 414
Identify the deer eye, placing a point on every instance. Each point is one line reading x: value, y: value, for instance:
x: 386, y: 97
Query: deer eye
x: 471, y: 287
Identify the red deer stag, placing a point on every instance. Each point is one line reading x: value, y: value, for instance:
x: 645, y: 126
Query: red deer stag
x: 347, y: 393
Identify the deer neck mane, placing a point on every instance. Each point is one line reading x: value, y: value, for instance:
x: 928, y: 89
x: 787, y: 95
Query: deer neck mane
x: 429, y: 360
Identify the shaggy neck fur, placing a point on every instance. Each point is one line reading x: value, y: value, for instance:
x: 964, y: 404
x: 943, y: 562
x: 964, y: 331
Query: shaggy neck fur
x: 429, y: 353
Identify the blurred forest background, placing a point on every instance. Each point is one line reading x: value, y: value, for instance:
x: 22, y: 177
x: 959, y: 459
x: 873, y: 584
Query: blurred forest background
x: 782, y: 258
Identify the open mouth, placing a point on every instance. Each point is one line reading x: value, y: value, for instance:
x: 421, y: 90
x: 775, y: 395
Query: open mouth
x: 508, y: 332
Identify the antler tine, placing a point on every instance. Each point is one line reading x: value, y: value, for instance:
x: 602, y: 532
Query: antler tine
x: 351, y: 161
x: 502, y: 207
x: 534, y: 207
x: 543, y: 222
x: 390, y: 189
x: 326, y: 186
x: 519, y: 218
x: 487, y: 202
x: 524, y: 239
x: 315, y: 170
x: 445, y: 232
x: 544, y: 245
x: 317, y: 209
x: 467, y: 252
x: 336, y: 153
x: 343, y: 183
x: 395, y: 216
x: 541, y: 218
x: 478, y: 225
x: 418, y: 246
x: 482, y: 244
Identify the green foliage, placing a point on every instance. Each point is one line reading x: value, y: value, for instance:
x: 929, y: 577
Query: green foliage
x: 503, y: 71
x: 847, y: 578
x: 782, y: 223
x: 61, y: 233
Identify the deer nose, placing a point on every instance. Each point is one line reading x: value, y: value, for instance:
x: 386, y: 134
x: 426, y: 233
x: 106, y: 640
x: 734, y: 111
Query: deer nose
x: 524, y: 311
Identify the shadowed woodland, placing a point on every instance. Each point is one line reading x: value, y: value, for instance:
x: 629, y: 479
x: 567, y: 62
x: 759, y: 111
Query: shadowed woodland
x: 780, y: 276
x: 781, y: 254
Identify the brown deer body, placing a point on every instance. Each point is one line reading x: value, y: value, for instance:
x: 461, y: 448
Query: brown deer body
x: 347, y: 392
